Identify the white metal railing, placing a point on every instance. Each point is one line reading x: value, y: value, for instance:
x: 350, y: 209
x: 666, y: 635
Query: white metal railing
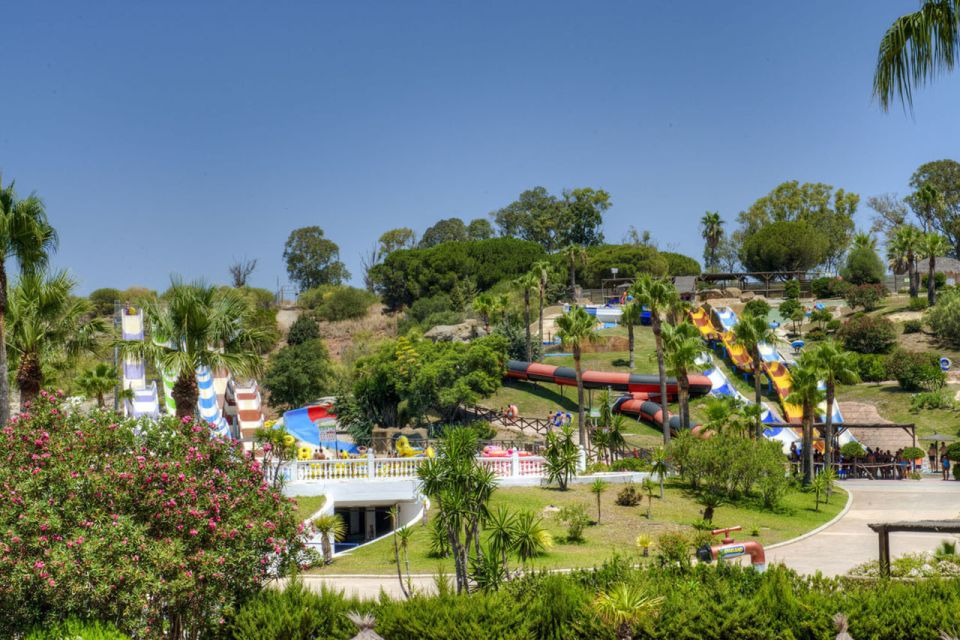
x: 371, y: 468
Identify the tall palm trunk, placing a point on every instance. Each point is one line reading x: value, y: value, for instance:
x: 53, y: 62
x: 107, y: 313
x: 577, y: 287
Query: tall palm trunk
x: 573, y: 278
x: 101, y: 402
x: 29, y: 377
x: 185, y: 394
x: 655, y: 324
x: 526, y: 317
x: 630, y: 343
x: 683, y: 395
x: 931, y: 282
x: 912, y: 274
x: 582, y: 431
x: 4, y: 382
x: 828, y: 427
x: 807, y: 443
x: 540, y: 325
x: 757, y: 431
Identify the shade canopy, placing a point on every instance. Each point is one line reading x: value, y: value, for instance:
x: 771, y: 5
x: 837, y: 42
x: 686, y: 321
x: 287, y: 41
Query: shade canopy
x: 938, y: 437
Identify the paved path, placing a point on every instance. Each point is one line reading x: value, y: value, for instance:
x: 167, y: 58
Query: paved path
x: 849, y: 541
x: 833, y: 551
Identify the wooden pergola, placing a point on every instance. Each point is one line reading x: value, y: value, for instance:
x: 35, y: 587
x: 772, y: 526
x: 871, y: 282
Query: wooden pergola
x: 765, y: 282
x: 884, y: 529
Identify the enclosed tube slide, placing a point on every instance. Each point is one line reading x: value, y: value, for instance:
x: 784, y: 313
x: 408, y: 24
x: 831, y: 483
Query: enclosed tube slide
x: 208, y: 405
x: 630, y: 382
x: 144, y: 402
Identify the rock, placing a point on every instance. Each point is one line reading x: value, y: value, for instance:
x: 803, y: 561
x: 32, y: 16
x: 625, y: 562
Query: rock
x: 733, y: 292
x: 747, y: 296
x: 463, y: 332
x: 711, y: 294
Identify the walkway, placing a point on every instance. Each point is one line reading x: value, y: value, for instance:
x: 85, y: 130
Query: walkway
x: 833, y: 551
x: 849, y: 542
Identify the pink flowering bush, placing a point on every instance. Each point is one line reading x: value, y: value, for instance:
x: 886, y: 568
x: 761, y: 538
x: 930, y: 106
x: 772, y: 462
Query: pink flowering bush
x: 155, y: 527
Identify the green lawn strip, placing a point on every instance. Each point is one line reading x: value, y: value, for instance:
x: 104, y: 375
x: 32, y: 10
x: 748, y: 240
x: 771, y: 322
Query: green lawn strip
x: 308, y: 505
x: 894, y: 404
x: 617, y: 532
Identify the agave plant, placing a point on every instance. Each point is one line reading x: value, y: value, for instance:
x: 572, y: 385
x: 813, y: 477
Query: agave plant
x: 625, y: 606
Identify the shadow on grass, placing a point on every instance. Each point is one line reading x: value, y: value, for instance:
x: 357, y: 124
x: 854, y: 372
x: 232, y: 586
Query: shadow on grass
x: 544, y: 393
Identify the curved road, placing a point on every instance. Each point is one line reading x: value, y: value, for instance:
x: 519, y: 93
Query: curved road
x: 833, y: 551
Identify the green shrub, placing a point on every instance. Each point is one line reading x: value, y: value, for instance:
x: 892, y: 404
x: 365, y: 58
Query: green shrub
x: 944, y: 318
x: 77, y: 630
x: 872, y: 367
x: 304, y: 328
x: 816, y: 334
x: 293, y: 613
x: 863, y: 266
x: 674, y: 549
x: 299, y: 374
x: 103, y: 300
x: 757, y: 307
x: 915, y: 371
x: 867, y: 296
x: 313, y: 298
x: 829, y: 287
x: 918, y: 304
x: 953, y: 452
x: 913, y: 453
x: 930, y: 400
x: 791, y: 289
x: 680, y: 265
x: 345, y: 303
x: 629, y: 496
x: 868, y: 334
x: 574, y: 517
x: 834, y: 325
x: 513, y: 329
x: 939, y: 281
x: 912, y: 326
x: 630, y: 464
x: 853, y: 450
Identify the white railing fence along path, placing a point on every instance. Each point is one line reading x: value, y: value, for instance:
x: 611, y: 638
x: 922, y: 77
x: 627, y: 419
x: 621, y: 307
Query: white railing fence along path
x: 372, y: 469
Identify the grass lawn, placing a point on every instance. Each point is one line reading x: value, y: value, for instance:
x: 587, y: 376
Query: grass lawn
x: 308, y: 505
x: 617, y: 531
x: 894, y: 404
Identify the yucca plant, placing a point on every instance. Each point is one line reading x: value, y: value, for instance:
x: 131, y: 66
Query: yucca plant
x: 329, y: 525
x: 624, y: 607
x: 597, y: 489
x: 529, y: 537
x: 644, y: 543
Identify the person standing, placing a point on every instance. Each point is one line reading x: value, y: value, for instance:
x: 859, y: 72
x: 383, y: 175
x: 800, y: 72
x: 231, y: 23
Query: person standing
x: 932, y: 456
x: 944, y: 461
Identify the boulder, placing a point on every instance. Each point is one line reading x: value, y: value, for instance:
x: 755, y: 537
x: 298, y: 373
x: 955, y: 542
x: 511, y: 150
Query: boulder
x: 733, y: 292
x: 463, y: 332
x: 711, y: 294
x: 747, y: 296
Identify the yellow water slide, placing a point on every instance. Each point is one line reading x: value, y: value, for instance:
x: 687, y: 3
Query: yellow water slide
x: 783, y: 383
x: 701, y: 320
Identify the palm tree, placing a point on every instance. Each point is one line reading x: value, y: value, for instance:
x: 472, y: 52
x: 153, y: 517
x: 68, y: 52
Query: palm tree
x: 711, y: 229
x: 836, y: 366
x: 529, y: 537
x: 806, y: 392
x: 864, y: 240
x: 541, y: 271
x: 902, y: 251
x: 659, y: 464
x: 98, y: 380
x: 932, y: 246
x: 630, y: 318
x: 750, y: 332
x: 682, y: 345
x: 624, y: 607
x: 576, y: 328
x: 916, y: 48
x: 526, y: 282
x: 597, y: 489
x: 26, y: 236
x: 485, y: 305
x: 658, y: 295
x: 329, y: 526
x: 197, y: 326
x: 574, y: 254
x: 45, y: 323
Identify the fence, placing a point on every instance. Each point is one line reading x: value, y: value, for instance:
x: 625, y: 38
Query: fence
x: 852, y: 470
x: 371, y: 468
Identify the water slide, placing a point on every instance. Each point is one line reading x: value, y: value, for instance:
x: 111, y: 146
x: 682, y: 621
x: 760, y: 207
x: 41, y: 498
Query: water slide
x: 208, y: 404
x: 775, y: 367
x: 701, y: 320
x: 248, y: 408
x: 639, y: 388
x: 738, y: 355
x: 305, y: 424
x: 144, y: 401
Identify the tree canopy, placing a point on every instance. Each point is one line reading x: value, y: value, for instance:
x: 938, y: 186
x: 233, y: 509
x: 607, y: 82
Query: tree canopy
x: 574, y: 218
x: 943, y: 213
x: 299, y: 373
x: 312, y: 259
x: 828, y: 213
x: 446, y: 230
x: 784, y: 246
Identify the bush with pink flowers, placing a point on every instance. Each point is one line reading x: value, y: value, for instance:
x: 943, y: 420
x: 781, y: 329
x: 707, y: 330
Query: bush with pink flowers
x: 157, y: 528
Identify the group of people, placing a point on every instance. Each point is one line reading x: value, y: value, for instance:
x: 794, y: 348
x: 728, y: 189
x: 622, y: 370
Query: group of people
x: 893, y: 465
x: 935, y: 456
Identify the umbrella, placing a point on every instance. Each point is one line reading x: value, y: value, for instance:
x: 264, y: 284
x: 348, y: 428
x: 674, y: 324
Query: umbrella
x: 938, y: 437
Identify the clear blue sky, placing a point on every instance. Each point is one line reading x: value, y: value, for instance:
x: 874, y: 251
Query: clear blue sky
x: 168, y: 137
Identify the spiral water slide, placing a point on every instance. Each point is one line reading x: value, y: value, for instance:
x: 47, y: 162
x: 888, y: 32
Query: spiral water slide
x: 639, y: 387
x: 144, y: 402
x: 208, y: 404
x: 249, y: 409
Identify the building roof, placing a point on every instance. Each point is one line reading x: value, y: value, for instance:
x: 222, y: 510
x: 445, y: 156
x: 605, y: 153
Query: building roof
x: 685, y: 284
x: 945, y: 264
